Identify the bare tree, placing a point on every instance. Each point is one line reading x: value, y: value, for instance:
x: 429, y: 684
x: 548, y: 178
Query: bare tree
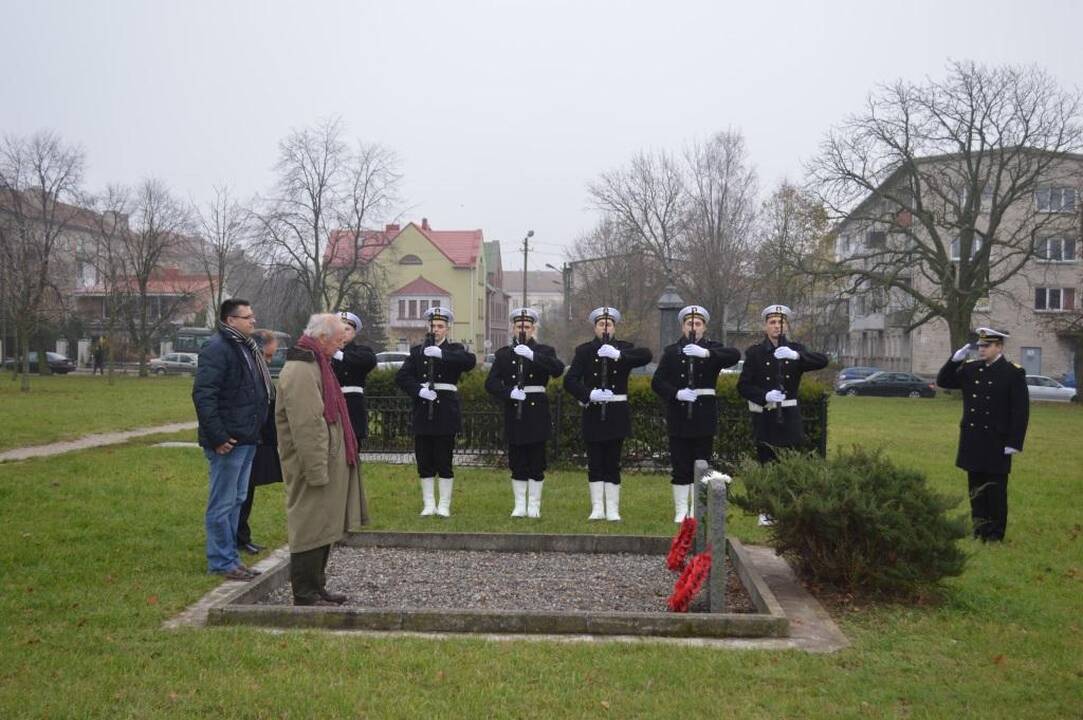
x: 646, y: 202
x: 947, y: 184
x: 224, y: 227
x: 720, y: 224
x: 326, y: 193
x: 40, y: 177
x: 108, y: 259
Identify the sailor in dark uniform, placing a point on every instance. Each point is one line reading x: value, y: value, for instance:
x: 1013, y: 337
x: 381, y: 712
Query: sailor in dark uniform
x: 996, y: 408
x: 685, y: 380
x: 769, y: 382
x: 429, y: 376
x: 598, y: 379
x: 518, y: 380
x: 352, y: 364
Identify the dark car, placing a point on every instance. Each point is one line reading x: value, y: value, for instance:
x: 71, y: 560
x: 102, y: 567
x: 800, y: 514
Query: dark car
x: 58, y: 364
x: 889, y: 384
x: 854, y: 373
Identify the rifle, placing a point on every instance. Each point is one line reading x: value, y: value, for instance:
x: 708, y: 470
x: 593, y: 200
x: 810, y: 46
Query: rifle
x: 430, y: 340
x: 691, y: 374
x: 520, y: 370
x: 605, y: 361
x: 779, y: 420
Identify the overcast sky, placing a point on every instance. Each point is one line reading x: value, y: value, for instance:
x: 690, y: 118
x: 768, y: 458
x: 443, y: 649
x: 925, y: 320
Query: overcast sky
x: 500, y: 111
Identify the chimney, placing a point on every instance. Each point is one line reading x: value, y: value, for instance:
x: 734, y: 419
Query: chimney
x: 425, y: 224
x: 392, y: 227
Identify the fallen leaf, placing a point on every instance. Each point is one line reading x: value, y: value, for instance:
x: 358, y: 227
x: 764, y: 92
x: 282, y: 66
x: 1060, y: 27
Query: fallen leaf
x: 999, y: 660
x: 174, y: 696
x: 605, y: 704
x: 152, y: 600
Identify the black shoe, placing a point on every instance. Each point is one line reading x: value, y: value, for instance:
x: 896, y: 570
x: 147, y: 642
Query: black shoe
x: 336, y: 598
x: 251, y: 548
x: 251, y: 571
x: 236, y: 573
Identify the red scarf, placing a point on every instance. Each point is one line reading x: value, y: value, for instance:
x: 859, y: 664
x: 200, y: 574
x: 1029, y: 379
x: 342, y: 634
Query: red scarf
x: 334, y: 402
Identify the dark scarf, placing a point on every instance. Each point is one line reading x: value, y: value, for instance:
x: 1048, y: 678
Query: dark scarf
x: 255, y: 351
x: 334, y: 402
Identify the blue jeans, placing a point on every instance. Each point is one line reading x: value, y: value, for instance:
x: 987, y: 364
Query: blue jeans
x: 228, y: 489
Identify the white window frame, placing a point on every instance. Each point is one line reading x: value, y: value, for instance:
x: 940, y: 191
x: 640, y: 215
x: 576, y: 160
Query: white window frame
x: 1056, y: 199
x: 1062, y: 242
x: 1047, y: 294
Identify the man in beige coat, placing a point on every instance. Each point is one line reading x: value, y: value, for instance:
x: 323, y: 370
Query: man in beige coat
x: 318, y: 450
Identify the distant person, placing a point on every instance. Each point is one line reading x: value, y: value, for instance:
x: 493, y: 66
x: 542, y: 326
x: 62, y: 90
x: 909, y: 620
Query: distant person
x: 352, y: 365
x: 266, y: 468
x: 231, y: 392
x: 98, y: 357
x: 318, y: 449
x: 996, y: 410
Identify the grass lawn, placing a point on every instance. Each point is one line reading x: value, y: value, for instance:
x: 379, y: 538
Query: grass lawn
x: 97, y: 548
x: 63, y: 407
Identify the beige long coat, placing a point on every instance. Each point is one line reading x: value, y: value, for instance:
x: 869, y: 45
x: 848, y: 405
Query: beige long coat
x: 323, y: 493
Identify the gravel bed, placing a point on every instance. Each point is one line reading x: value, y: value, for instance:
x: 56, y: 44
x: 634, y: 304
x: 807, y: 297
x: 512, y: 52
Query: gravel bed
x: 547, y: 582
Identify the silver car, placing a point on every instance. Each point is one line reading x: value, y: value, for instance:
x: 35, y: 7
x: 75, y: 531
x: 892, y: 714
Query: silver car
x: 1041, y: 387
x: 173, y: 363
x: 390, y: 360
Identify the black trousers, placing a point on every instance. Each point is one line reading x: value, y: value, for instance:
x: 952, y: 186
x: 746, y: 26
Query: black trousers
x: 603, y: 461
x: 684, y: 452
x: 988, y: 504
x: 308, y: 574
x: 433, y: 453
x: 244, y: 532
x: 527, y: 462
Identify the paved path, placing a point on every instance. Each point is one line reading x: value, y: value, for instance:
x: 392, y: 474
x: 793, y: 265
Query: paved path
x: 91, y: 441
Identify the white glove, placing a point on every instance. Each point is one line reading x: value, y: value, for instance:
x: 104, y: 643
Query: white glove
x: 784, y: 353
x: 433, y: 352
x: 775, y: 396
x: 608, y: 351
x: 693, y: 350
x: 426, y: 394
x: 686, y: 395
x: 1010, y: 450
x: 523, y: 350
x: 599, y: 395
x: 961, y: 353
x: 517, y: 394
x: 338, y: 355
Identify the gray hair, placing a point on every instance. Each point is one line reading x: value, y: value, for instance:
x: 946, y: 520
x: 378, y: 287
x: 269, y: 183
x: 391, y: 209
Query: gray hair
x: 323, y: 326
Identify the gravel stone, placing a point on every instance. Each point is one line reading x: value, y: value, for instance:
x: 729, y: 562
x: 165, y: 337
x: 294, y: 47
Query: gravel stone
x: 401, y: 578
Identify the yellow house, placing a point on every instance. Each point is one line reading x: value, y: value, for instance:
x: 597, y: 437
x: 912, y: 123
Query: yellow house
x: 424, y: 267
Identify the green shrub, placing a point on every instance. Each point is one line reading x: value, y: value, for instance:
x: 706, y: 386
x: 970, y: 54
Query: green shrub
x: 856, y: 522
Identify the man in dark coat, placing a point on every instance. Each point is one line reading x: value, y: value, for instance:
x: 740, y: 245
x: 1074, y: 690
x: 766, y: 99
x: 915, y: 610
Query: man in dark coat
x: 518, y: 380
x: 231, y: 394
x: 996, y: 409
x: 266, y: 468
x: 429, y: 376
x: 598, y: 379
x: 685, y: 380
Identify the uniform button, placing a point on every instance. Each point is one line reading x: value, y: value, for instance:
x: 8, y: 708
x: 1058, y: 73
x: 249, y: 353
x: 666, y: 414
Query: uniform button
x: 787, y: 377
x: 990, y: 382
x: 975, y: 396
x: 768, y: 362
x: 975, y: 410
x: 986, y: 427
x: 531, y: 404
x: 988, y: 397
x: 971, y: 424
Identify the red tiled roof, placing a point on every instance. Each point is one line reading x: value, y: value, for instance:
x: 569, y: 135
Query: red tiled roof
x: 169, y: 281
x: 460, y: 247
x: 421, y: 286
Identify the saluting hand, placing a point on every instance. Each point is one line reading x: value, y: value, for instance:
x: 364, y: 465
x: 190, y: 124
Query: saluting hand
x: 693, y: 350
x: 523, y: 350
x: 433, y: 352
x: 961, y: 353
x: 608, y: 351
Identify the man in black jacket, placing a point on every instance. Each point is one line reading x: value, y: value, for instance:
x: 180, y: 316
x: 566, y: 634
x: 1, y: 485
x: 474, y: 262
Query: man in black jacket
x: 429, y: 376
x: 996, y: 409
x: 518, y: 380
x: 231, y: 393
x: 598, y: 379
x: 685, y: 380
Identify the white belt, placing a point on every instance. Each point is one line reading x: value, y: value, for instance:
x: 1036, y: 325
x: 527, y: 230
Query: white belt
x: 347, y: 389
x: 612, y: 398
x: 445, y: 386
x: 533, y: 389
x: 770, y: 406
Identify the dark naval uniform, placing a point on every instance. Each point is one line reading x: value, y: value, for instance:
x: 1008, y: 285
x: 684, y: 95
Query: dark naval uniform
x: 604, y: 438
x: 996, y: 408
x: 434, y: 439
x: 762, y: 373
x: 351, y: 371
x: 691, y: 438
x: 526, y: 435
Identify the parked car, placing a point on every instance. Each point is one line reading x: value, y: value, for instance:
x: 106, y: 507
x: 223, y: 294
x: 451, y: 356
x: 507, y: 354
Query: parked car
x: 277, y: 361
x: 1041, y: 387
x: 854, y: 373
x: 174, y: 363
x: 647, y: 369
x: 58, y: 364
x: 736, y: 369
x: 390, y: 360
x: 889, y: 384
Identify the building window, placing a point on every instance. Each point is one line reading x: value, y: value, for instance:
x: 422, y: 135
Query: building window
x: 402, y: 308
x: 410, y: 260
x: 425, y: 306
x: 975, y: 246
x: 875, y: 239
x: 1054, y: 299
x: 1055, y: 199
x: 1056, y: 249
x: 413, y: 310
